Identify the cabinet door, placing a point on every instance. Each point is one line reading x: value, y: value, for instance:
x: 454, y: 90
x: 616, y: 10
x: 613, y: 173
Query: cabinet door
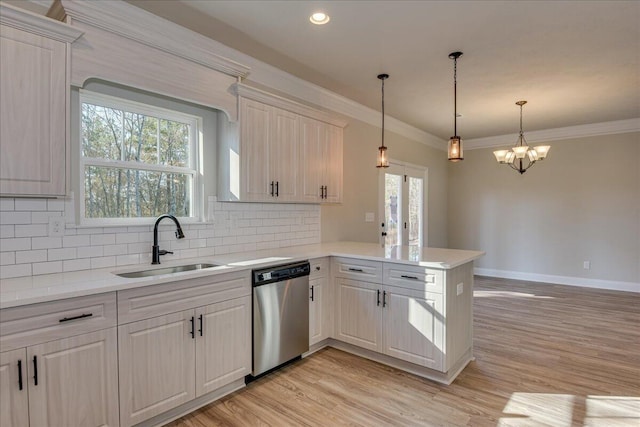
x: 32, y: 114
x: 77, y: 381
x: 316, y: 310
x: 223, y: 343
x: 359, y: 314
x: 255, y: 133
x: 14, y: 404
x: 157, y: 358
x: 283, y: 152
x: 311, y: 166
x: 413, y: 326
x: 332, y: 160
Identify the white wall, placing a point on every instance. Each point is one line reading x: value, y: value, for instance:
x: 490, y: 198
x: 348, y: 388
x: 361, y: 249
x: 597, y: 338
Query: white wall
x: 580, y: 204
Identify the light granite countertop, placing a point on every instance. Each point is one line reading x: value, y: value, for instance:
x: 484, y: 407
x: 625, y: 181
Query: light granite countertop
x: 36, y: 289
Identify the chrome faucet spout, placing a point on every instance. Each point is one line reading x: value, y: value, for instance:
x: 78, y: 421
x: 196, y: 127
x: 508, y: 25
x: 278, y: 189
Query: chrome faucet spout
x: 155, y: 250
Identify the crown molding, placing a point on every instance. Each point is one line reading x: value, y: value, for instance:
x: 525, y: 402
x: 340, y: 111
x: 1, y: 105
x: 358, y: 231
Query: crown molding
x: 557, y: 134
x: 286, y: 104
x: 37, y: 24
x: 139, y: 25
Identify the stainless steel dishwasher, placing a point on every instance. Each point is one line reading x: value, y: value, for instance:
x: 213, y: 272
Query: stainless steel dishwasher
x: 280, y: 315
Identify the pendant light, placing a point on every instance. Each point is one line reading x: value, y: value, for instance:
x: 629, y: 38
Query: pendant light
x: 455, y: 142
x: 383, y: 160
x: 521, y: 157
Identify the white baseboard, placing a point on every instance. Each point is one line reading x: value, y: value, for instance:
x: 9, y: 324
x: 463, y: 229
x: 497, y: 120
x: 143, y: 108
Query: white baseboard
x: 560, y: 280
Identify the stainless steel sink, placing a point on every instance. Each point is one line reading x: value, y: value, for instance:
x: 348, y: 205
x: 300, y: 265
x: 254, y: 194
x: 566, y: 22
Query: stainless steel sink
x: 165, y: 270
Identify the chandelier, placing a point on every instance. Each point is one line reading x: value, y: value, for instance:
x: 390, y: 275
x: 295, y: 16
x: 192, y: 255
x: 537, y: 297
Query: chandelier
x: 521, y: 157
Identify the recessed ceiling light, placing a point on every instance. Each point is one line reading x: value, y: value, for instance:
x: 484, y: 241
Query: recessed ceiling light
x: 319, y: 18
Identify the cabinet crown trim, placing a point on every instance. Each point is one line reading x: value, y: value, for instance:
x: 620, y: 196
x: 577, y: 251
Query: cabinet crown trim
x: 36, y: 24
x: 144, y: 27
x: 256, y: 94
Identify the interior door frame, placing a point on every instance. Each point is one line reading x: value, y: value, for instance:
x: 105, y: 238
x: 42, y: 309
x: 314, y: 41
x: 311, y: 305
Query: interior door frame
x: 403, y: 166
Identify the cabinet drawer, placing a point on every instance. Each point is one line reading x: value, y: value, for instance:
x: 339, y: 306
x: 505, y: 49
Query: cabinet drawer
x: 39, y: 323
x: 357, y: 269
x: 157, y: 300
x: 413, y: 277
x: 319, y: 268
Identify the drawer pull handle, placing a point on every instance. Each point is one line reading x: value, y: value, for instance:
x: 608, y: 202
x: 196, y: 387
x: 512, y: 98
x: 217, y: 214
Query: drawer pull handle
x: 317, y: 268
x: 35, y: 370
x: 359, y: 270
x: 384, y: 299
x: 20, y: 374
x: 312, y: 293
x: 201, y: 324
x: 193, y: 327
x: 82, y: 316
x: 409, y: 277
x: 378, y: 299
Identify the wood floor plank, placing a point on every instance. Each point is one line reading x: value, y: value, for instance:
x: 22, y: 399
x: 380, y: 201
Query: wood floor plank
x: 546, y: 355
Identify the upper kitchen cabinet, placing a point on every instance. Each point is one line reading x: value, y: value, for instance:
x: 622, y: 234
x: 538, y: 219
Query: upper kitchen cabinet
x: 34, y: 104
x: 321, y: 161
x: 281, y: 151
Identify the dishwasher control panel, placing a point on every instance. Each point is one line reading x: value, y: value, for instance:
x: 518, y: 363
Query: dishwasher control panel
x: 280, y: 273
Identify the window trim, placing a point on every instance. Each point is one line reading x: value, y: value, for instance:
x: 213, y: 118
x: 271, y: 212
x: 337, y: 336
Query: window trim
x: 195, y: 169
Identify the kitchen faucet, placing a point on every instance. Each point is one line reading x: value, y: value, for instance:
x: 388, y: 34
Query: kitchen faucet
x: 156, y: 252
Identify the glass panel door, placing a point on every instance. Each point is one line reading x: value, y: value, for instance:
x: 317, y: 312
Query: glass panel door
x: 402, y: 205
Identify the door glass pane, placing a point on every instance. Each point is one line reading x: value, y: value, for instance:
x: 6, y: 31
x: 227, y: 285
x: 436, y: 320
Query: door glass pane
x: 393, y: 208
x: 415, y: 211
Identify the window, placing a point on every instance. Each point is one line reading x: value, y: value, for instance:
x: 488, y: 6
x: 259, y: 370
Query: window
x: 136, y: 160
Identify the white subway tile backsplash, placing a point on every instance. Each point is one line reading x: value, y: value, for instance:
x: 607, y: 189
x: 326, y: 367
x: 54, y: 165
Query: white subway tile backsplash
x: 76, y: 241
x: 7, y: 204
x: 46, y: 242
x: 47, y: 267
x: 30, y: 204
x: 18, y: 270
x: 15, y: 217
x: 32, y: 230
x: 7, y: 231
x: 103, y: 262
x: 28, y: 257
x: 15, y: 244
x: 235, y: 227
x: 7, y: 258
x: 62, y: 254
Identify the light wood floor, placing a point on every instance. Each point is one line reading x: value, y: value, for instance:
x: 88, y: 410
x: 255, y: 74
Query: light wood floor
x: 546, y: 355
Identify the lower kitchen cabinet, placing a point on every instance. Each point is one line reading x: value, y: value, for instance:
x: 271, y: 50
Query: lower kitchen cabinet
x: 169, y: 360
x: 402, y: 323
x: 413, y: 326
x: 320, y: 310
x: 359, y: 313
x: 14, y: 404
x: 66, y: 382
x: 223, y: 346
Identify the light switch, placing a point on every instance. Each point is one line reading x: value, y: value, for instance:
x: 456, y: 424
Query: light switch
x: 460, y: 288
x: 369, y: 217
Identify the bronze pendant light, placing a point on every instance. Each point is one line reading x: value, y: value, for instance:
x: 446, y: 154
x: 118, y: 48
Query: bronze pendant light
x: 455, y: 142
x: 383, y: 160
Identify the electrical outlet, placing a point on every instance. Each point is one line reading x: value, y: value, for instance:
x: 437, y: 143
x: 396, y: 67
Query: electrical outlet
x: 56, y: 226
x: 586, y: 265
x: 369, y: 217
x: 460, y: 289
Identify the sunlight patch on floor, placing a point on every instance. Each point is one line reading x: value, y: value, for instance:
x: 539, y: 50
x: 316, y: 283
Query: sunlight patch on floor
x: 508, y: 294
x: 533, y: 409
x: 609, y: 411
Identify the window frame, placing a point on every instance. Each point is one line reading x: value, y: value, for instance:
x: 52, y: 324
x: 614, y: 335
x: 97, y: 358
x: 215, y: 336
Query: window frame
x: 194, y: 169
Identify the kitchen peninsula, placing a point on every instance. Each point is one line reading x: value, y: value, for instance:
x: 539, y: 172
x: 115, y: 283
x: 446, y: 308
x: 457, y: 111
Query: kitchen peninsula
x: 406, y: 307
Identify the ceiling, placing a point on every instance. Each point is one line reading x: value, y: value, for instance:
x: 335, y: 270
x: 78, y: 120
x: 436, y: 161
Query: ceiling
x: 575, y: 62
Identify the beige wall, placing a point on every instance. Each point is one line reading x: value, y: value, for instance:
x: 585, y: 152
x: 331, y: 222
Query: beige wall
x: 580, y: 204
x: 346, y: 221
